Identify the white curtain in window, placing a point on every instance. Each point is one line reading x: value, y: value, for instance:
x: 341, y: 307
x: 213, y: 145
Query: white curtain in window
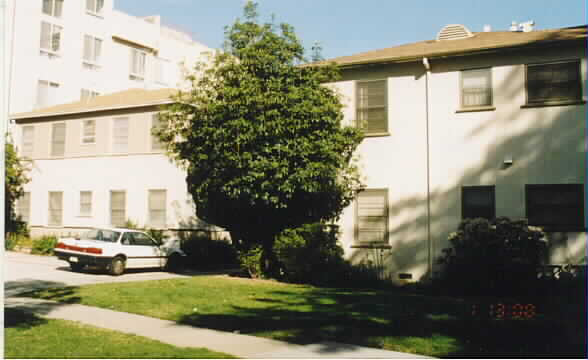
x: 55, y: 208
x: 157, y: 207
x: 118, y: 208
x: 58, y: 139
x: 120, y: 129
x: 85, y: 203
x: 28, y: 134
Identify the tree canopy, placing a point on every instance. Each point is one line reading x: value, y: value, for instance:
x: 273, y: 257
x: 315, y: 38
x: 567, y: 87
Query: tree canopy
x: 261, y: 136
x: 14, y: 180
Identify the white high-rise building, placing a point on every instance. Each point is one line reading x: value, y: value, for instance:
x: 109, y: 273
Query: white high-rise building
x: 60, y: 51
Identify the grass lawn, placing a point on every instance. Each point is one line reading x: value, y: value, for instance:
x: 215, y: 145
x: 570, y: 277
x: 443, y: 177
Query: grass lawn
x: 392, y: 320
x: 28, y: 336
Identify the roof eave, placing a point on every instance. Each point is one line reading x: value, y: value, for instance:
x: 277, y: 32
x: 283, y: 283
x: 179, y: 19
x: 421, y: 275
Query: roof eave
x: 86, y: 111
x: 480, y: 51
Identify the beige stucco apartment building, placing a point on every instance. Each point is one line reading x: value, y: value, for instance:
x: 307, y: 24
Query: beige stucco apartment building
x: 95, y: 163
x: 467, y: 125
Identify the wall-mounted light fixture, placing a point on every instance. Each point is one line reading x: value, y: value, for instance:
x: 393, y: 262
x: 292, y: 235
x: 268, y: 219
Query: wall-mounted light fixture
x: 508, y: 160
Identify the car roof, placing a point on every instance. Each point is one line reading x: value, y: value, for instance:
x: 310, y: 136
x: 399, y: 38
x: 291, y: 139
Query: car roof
x: 118, y: 229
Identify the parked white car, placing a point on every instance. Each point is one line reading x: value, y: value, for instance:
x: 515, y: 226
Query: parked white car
x: 118, y: 249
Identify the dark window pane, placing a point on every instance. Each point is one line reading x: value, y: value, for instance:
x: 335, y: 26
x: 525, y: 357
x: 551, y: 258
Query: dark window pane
x: 478, y: 202
x: 554, y: 82
x: 557, y: 207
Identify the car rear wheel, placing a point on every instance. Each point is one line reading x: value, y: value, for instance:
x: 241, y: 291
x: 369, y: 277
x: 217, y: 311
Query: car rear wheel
x: 117, y: 266
x: 76, y: 267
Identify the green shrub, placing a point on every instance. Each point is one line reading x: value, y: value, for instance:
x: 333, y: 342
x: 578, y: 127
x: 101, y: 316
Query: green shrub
x: 309, y: 254
x: 498, y: 257
x: 250, y: 261
x: 206, y: 254
x: 10, y: 241
x: 130, y: 224
x: 157, y: 235
x: 44, y: 245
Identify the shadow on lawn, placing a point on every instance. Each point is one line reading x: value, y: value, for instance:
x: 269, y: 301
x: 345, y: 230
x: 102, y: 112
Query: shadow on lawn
x: 393, y: 321
x: 18, y: 318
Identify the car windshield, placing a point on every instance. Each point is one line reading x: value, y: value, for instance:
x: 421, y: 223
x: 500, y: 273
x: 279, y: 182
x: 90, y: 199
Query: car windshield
x: 101, y: 235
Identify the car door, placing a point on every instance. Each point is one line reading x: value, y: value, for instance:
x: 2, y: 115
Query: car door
x: 146, y: 250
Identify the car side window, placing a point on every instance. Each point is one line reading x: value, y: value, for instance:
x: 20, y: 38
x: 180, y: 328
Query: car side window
x: 142, y: 239
x: 127, y: 239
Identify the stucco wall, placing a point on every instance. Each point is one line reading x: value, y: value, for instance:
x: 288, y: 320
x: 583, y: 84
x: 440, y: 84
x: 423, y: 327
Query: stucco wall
x: 547, y: 145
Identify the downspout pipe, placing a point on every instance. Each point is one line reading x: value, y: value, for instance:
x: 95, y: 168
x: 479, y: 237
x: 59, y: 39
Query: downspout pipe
x: 430, y: 249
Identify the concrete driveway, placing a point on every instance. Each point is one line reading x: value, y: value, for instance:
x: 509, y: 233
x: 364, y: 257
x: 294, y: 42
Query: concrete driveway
x: 24, y: 272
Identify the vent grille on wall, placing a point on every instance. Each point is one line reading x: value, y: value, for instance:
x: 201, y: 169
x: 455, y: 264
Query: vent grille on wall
x: 454, y: 32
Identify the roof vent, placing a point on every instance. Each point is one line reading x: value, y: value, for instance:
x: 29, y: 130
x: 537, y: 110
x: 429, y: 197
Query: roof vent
x: 454, y: 32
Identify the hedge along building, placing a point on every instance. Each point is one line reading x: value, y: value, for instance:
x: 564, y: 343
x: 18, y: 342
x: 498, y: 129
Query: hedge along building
x: 95, y: 163
x: 469, y: 124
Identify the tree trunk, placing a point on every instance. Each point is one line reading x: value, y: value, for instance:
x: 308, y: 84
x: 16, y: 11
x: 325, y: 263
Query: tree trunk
x: 269, y: 261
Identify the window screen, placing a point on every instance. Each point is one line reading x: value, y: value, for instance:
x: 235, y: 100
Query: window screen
x: 118, y: 215
x: 556, y: 207
x: 157, y: 208
x: 555, y: 82
x: 372, y: 113
x: 372, y: 216
x: 476, y: 88
x: 85, y: 203
x: 55, y: 208
x: 120, y: 141
x: 28, y: 136
x: 58, y: 139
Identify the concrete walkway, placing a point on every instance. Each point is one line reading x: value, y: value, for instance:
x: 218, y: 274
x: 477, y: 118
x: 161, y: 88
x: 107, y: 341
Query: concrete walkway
x: 244, y: 346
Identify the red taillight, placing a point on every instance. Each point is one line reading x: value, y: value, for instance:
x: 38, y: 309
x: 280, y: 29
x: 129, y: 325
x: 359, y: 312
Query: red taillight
x: 94, y: 251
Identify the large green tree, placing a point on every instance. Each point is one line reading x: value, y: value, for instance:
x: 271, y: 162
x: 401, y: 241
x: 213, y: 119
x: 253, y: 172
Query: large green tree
x: 261, y: 136
x: 14, y: 180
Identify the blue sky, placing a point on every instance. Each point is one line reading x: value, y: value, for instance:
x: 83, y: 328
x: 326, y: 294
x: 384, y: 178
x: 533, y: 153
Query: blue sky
x: 346, y: 27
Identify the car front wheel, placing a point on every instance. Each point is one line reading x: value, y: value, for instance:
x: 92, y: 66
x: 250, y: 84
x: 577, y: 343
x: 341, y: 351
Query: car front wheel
x: 76, y: 267
x: 117, y: 266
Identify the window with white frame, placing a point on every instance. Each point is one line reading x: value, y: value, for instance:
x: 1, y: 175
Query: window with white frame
x: 28, y: 137
x: 92, y: 50
x: 94, y: 7
x: 138, y: 58
x: 24, y: 206
x: 46, y: 93
x: 50, y: 37
x: 476, y: 88
x: 155, y: 143
x: 87, y: 94
x: 52, y: 7
x: 372, y: 106
x: 85, y: 203
x: 55, y: 208
x: 120, y: 135
x: 58, y: 139
x: 89, y: 132
x: 118, y: 215
x: 372, y: 216
x: 157, y: 208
